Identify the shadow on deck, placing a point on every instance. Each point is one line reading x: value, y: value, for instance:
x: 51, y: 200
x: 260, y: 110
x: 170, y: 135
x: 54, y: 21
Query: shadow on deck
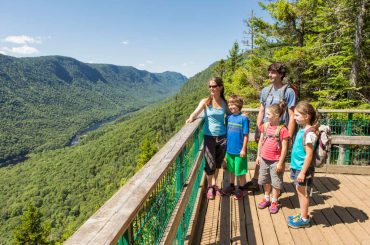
x: 339, y: 209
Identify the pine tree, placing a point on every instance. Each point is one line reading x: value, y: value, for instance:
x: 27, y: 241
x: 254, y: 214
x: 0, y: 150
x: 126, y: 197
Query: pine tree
x: 31, y: 231
x: 147, y: 149
x: 234, y: 58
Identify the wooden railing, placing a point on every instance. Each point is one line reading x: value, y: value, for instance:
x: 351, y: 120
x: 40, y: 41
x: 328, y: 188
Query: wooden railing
x: 122, y: 218
x: 114, y: 222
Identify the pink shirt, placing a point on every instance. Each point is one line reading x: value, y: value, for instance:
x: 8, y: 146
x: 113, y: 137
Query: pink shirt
x: 270, y: 150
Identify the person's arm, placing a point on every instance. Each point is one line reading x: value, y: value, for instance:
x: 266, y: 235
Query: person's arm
x: 259, y: 150
x: 260, y: 115
x: 284, y: 149
x: 243, y: 152
x: 309, y: 148
x: 291, y: 124
x: 196, y: 112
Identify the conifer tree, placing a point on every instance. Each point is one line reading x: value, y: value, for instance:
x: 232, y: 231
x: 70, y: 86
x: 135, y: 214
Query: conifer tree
x: 31, y: 231
x: 147, y: 149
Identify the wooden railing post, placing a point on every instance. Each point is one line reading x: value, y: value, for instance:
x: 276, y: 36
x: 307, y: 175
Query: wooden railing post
x: 349, y: 133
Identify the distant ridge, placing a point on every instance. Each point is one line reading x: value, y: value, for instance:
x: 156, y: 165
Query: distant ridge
x: 46, y: 100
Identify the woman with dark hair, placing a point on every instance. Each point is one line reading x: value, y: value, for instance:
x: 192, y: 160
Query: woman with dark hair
x: 214, y: 130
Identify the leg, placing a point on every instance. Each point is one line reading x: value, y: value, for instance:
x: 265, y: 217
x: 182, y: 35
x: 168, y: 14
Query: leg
x: 232, y: 178
x: 253, y: 183
x: 210, y: 166
x: 304, y: 201
x: 242, y: 180
x: 266, y: 200
x: 230, y: 189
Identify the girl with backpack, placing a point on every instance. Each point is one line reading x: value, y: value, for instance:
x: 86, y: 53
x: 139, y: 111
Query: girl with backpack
x: 302, y: 170
x: 272, y: 150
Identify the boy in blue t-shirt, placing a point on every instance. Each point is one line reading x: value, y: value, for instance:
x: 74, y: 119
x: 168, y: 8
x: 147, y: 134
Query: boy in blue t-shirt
x: 236, y: 146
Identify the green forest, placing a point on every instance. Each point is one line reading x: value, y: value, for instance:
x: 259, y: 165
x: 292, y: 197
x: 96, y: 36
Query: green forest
x: 46, y: 100
x: 325, y: 44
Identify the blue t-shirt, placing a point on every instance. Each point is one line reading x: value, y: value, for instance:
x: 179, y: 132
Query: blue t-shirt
x: 298, y: 151
x: 237, y: 127
x: 214, y: 121
x: 274, y: 98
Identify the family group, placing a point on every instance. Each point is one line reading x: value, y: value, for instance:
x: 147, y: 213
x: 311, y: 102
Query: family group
x: 226, y: 131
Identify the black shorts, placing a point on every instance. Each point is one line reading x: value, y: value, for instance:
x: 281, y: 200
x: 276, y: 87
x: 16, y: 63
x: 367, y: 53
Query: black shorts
x: 214, y: 152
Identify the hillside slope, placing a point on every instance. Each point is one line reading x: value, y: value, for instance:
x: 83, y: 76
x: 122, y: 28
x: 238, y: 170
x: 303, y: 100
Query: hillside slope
x: 44, y: 101
x: 68, y: 185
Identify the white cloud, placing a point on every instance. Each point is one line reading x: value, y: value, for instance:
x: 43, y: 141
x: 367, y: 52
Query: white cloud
x: 141, y: 65
x: 125, y: 42
x: 2, y: 52
x: 185, y: 64
x: 149, y: 62
x: 23, y: 39
x: 25, y: 49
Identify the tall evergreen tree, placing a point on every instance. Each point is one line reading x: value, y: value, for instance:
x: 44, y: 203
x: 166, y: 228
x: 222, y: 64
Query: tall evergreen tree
x: 31, y: 231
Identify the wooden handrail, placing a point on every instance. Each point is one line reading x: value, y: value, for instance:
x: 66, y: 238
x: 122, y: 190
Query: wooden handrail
x: 340, y: 139
x: 110, y: 222
x: 320, y: 110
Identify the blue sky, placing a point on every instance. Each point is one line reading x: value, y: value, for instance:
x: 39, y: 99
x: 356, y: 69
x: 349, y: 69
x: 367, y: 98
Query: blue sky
x: 155, y: 35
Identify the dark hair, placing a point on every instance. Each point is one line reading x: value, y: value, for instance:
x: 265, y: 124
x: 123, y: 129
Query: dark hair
x: 277, y: 108
x: 236, y: 100
x: 306, y: 108
x: 279, y: 68
x: 220, y: 83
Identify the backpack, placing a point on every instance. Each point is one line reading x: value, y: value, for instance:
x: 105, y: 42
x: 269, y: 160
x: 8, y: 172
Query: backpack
x: 322, y: 147
x: 276, y: 136
x: 282, y: 92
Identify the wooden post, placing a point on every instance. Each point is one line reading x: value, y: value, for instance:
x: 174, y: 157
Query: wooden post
x: 341, y: 155
x: 348, y: 133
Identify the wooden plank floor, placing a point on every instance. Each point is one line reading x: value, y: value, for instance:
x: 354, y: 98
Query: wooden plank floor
x: 339, y: 208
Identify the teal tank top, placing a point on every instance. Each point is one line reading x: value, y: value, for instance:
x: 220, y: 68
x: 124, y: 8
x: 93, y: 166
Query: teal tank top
x: 214, y: 121
x: 298, y: 152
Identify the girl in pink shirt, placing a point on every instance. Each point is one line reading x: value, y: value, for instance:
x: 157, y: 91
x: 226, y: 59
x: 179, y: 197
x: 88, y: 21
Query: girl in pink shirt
x: 272, y: 150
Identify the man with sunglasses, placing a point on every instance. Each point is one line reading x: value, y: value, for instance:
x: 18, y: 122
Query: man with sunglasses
x: 277, y: 92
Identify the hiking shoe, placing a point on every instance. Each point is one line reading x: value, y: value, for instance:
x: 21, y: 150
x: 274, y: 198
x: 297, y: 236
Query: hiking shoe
x: 216, y: 190
x: 299, y: 223
x: 210, y: 195
x: 239, y: 194
x: 263, y: 204
x: 228, y: 190
x: 292, y: 217
x: 251, y: 186
x: 274, y: 208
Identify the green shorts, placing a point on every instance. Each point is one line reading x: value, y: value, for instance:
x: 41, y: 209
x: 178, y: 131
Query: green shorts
x: 236, y: 165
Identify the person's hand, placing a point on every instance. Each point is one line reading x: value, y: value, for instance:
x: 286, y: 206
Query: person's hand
x: 189, y: 120
x: 300, y: 177
x: 243, y: 153
x: 280, y: 167
x: 258, y: 161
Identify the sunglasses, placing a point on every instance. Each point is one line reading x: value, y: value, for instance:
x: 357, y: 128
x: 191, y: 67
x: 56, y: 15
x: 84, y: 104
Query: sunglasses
x: 212, y: 86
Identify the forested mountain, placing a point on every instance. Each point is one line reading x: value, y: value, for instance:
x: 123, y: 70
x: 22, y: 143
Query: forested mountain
x: 44, y: 101
x: 69, y: 184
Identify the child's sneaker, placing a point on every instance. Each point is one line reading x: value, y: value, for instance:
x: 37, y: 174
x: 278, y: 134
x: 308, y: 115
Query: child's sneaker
x: 298, y: 222
x: 274, y: 208
x: 292, y: 217
x: 263, y: 204
x: 210, y: 195
x: 239, y: 194
x: 228, y: 190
